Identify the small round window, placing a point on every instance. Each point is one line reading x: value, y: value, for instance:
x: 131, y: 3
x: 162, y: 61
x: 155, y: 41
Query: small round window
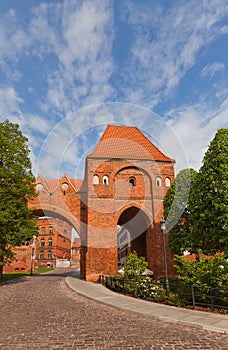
x: 65, y: 186
x: 39, y: 187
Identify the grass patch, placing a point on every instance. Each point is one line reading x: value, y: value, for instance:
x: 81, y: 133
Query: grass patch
x: 14, y: 275
x: 42, y: 270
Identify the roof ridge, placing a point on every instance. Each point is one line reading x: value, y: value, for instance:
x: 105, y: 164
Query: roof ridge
x: 134, y: 145
x: 153, y: 144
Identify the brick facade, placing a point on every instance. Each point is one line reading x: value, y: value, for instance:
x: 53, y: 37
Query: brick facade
x: 126, y: 179
x: 22, y: 262
x: 75, y: 253
x: 53, y: 242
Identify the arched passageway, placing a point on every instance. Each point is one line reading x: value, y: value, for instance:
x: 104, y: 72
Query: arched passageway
x: 133, y: 227
x: 50, y: 213
x: 55, y: 242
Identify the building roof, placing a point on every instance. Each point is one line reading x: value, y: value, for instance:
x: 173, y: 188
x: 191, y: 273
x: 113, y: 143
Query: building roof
x: 124, y: 142
x: 77, y: 183
x: 53, y: 184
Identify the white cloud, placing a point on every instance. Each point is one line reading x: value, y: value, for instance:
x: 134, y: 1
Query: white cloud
x: 9, y: 102
x: 84, y: 63
x: 224, y: 30
x: 195, y: 127
x: 212, y: 68
x: 161, y: 57
x: 72, y: 44
x: 13, y: 42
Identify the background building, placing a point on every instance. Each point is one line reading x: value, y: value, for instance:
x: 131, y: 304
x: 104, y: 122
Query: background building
x: 53, y: 242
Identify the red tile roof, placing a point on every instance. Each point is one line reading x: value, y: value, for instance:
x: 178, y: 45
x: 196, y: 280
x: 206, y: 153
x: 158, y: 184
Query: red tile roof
x: 77, y: 183
x: 126, y: 142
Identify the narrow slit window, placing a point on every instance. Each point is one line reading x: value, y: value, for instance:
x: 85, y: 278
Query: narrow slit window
x: 167, y: 182
x: 105, y: 180
x: 158, y: 182
x: 132, y: 181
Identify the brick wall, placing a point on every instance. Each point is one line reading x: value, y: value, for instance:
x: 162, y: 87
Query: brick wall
x: 54, y: 241
x: 23, y: 260
x: 107, y: 202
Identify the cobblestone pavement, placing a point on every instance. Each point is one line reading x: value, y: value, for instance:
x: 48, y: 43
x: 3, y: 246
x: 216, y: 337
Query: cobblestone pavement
x: 41, y: 312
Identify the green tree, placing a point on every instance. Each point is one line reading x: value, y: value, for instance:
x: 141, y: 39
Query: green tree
x: 134, y: 266
x: 177, y: 210
x: 16, y: 188
x: 209, y: 199
x: 206, y: 272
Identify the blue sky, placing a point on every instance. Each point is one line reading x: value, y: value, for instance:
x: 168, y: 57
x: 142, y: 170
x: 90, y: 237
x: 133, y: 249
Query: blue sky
x: 68, y: 68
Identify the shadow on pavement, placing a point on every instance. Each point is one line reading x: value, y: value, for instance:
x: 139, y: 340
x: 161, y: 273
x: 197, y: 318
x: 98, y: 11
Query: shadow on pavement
x: 59, y: 272
x: 15, y: 281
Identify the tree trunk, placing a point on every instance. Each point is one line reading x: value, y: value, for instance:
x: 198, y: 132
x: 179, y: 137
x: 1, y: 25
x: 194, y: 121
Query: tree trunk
x: 1, y: 271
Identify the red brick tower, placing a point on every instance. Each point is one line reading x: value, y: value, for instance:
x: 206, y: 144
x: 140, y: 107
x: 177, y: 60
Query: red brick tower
x: 126, y: 179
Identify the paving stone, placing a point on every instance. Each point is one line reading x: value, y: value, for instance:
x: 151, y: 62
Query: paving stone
x: 42, y: 313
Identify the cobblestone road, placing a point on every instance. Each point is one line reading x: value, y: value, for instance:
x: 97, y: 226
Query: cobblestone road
x: 41, y: 312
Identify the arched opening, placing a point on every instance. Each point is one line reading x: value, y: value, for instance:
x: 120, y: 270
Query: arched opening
x: 167, y: 182
x: 105, y: 180
x: 132, y: 230
x: 96, y: 179
x: 56, y: 240
x: 132, y: 181
x: 158, y: 181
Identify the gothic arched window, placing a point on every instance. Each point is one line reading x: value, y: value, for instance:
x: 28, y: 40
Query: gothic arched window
x: 158, y: 181
x: 95, y: 180
x: 167, y: 182
x: 105, y: 180
x: 132, y: 181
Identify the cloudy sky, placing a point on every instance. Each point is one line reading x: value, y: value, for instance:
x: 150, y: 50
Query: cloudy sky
x: 70, y: 67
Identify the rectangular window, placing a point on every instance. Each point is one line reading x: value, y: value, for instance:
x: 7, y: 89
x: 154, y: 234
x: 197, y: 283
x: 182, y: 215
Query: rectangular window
x: 50, y: 242
x: 43, y: 231
x: 50, y: 229
x: 41, y: 255
x: 49, y: 254
x: 42, y: 242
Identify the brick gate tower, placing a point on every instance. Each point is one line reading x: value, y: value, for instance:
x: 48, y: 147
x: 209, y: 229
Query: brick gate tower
x: 126, y: 179
x: 118, y: 206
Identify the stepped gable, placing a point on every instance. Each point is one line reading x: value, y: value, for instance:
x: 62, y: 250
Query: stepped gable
x: 125, y: 142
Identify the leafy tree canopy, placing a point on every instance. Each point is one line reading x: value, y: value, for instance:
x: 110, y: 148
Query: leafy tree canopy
x: 16, y: 188
x: 177, y: 211
x: 209, y: 199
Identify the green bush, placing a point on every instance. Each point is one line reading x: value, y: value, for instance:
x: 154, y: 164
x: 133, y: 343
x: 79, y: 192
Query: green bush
x: 134, y: 283
x: 207, y: 272
x: 134, y: 266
